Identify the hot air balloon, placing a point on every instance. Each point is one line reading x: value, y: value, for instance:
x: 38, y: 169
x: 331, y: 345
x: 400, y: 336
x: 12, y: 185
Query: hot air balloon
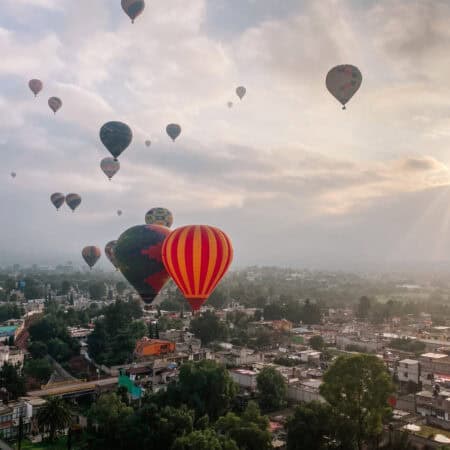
x: 148, y: 143
x: 73, y: 201
x: 55, y: 103
x: 57, y: 199
x: 116, y: 137
x: 133, y: 8
x: 173, y: 130
x: 343, y: 82
x: 119, y: 212
x: 13, y: 174
x: 109, y: 252
x: 230, y: 104
x: 159, y: 216
x: 35, y: 86
x: 241, y: 91
x: 91, y: 255
x: 110, y: 166
x: 197, y: 257
x: 138, y: 254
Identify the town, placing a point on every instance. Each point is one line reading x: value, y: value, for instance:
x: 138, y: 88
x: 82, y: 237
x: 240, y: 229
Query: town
x: 84, y: 338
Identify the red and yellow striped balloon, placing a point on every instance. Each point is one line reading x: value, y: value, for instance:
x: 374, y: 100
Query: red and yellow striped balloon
x: 197, y: 257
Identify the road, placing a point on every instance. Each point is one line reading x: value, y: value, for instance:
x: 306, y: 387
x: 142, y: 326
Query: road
x: 72, y: 388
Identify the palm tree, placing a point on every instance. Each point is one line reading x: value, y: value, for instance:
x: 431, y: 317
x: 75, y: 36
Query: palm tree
x: 54, y: 415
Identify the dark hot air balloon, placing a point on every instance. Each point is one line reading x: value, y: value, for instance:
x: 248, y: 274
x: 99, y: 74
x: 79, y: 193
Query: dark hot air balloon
x: 55, y: 103
x: 343, y: 82
x: 91, y: 255
x: 119, y: 212
x: 133, y: 8
x: 159, y: 216
x: 148, y: 143
x: 241, y: 91
x: 13, y: 174
x: 57, y: 199
x: 230, y: 104
x: 173, y: 130
x: 110, y: 166
x: 109, y: 252
x: 73, y: 201
x: 197, y: 257
x: 138, y: 254
x: 35, y: 86
x: 116, y: 137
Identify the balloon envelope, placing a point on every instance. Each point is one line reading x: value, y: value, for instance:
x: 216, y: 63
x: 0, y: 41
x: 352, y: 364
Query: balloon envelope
x: 116, y: 137
x: 119, y: 212
x: 109, y: 252
x: 73, y: 201
x: 159, y: 216
x: 343, y: 82
x: 197, y: 257
x: 148, y: 143
x: 91, y: 254
x: 13, y: 174
x: 230, y: 104
x: 57, y: 199
x: 173, y: 130
x: 110, y: 166
x: 133, y: 8
x: 35, y: 86
x: 138, y: 253
x: 241, y: 91
x: 55, y: 103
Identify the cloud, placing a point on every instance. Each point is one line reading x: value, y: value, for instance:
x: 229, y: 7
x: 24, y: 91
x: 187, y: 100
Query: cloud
x: 285, y: 166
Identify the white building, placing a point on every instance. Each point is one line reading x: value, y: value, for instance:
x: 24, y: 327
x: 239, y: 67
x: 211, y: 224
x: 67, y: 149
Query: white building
x: 244, y: 378
x: 409, y: 370
x: 11, y: 356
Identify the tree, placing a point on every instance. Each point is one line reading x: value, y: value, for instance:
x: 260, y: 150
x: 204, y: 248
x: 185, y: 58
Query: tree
x: 54, y: 415
x: 250, y: 431
x: 317, y: 343
x: 208, y: 328
x: 39, y: 369
x: 59, y: 349
x: 363, y: 308
x: 65, y: 287
x: 97, y: 290
x: 311, y: 313
x: 110, y: 415
x: 206, y: 387
x: 12, y: 381
x: 272, y: 389
x: 154, y: 428
x: 120, y: 287
x: 310, y: 427
x: 273, y: 311
x: 204, y: 440
x: 358, y: 387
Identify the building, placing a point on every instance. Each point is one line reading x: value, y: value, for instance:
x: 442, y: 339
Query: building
x: 9, y: 418
x: 305, y: 391
x: 282, y: 325
x: 153, y: 347
x: 435, y: 407
x: 7, y: 332
x: 246, y: 379
x: 408, y: 370
x: 11, y: 356
x: 433, y: 366
x: 239, y: 357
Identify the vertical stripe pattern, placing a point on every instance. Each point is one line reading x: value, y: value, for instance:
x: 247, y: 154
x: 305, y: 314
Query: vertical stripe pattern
x: 197, y: 257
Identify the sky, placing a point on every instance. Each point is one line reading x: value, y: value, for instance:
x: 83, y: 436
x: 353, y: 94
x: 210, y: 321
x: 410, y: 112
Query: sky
x: 289, y: 176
